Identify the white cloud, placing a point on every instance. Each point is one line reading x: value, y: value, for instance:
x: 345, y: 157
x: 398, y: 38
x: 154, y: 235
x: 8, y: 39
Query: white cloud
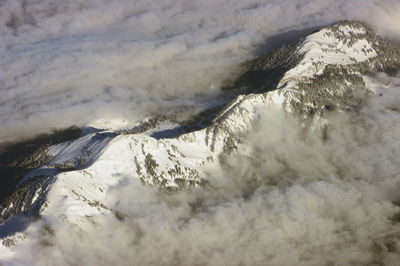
x: 58, y: 58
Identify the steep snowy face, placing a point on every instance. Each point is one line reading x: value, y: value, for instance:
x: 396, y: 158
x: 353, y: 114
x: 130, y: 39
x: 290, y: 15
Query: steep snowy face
x: 341, y: 45
x: 79, y: 181
x: 334, y: 62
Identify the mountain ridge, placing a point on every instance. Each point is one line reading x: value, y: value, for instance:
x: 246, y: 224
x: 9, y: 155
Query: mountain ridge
x: 317, y: 74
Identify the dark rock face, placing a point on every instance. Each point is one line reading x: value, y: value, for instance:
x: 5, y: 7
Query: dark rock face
x: 17, y: 159
x: 264, y: 73
x: 27, y: 199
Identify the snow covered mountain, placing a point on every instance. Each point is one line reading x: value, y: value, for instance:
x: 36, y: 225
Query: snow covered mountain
x: 69, y: 182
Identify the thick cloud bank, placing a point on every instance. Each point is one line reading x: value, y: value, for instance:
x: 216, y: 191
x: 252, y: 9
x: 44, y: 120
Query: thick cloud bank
x: 110, y: 63
x: 289, y: 195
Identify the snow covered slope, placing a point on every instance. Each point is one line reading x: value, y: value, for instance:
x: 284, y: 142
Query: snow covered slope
x: 323, y: 72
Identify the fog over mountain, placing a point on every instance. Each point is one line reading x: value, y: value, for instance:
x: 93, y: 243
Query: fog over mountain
x: 111, y: 64
x: 199, y: 132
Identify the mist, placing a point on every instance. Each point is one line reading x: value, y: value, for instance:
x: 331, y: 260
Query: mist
x: 109, y: 65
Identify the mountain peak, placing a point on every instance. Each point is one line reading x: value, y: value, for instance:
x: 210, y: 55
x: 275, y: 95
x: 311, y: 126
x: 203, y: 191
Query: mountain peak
x: 316, y: 74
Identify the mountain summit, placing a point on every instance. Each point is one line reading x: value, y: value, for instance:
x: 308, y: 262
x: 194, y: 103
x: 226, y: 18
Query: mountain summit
x: 69, y: 182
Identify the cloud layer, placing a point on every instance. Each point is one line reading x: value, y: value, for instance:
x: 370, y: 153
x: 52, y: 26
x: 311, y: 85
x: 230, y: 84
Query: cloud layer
x: 79, y: 62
